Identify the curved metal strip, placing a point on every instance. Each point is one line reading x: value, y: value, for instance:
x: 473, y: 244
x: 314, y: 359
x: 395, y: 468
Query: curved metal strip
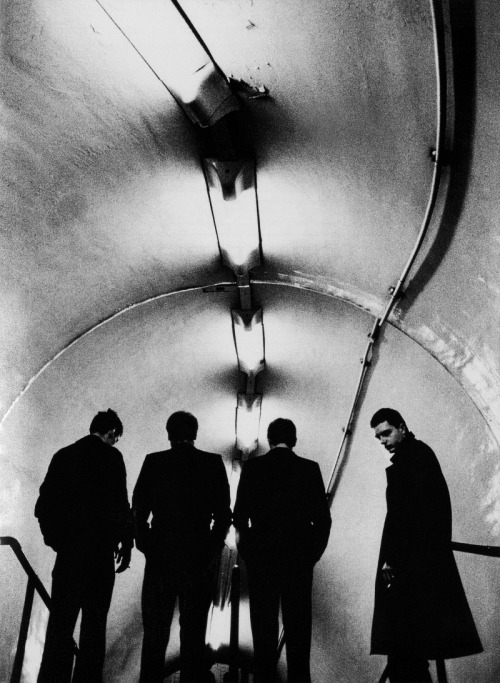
x: 440, y: 50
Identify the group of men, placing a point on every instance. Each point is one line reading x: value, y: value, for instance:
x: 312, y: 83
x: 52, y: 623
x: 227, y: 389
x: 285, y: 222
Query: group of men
x: 179, y: 519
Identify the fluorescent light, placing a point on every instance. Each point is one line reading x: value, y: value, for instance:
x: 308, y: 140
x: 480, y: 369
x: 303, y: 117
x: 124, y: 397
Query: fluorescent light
x: 230, y: 178
x: 237, y: 228
x: 218, y: 627
x: 249, y: 340
x: 248, y: 422
x: 234, y: 480
x: 165, y: 41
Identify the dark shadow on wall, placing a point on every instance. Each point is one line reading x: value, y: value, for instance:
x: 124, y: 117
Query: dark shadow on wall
x: 463, y: 36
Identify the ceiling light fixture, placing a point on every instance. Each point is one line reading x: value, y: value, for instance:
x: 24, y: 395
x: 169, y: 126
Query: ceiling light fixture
x: 164, y: 38
x: 248, y: 331
x: 247, y: 423
x: 236, y: 222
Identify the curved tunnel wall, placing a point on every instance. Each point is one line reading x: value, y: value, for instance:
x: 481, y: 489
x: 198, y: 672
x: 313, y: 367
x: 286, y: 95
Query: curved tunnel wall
x: 147, y: 362
x: 106, y: 205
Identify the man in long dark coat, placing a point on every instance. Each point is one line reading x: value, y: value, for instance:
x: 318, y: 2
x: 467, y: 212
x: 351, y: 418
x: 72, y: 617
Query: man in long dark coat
x: 421, y: 611
x: 84, y: 515
x: 283, y: 524
x: 187, y: 492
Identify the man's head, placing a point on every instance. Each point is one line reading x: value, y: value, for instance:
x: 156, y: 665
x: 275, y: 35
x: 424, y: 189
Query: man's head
x: 182, y: 426
x: 107, y: 426
x: 282, y: 431
x: 390, y: 428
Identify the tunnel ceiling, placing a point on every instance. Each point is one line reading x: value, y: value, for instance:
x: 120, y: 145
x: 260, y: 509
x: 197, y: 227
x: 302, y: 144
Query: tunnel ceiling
x: 116, y: 290
x: 104, y: 201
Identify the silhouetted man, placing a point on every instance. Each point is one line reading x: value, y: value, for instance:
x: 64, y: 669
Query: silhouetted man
x: 283, y: 524
x: 84, y: 515
x: 187, y: 492
x: 421, y: 611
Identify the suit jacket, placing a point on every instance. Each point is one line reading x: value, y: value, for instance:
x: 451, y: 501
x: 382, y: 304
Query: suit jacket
x: 281, y: 512
x: 425, y: 610
x: 83, y: 500
x: 187, y: 492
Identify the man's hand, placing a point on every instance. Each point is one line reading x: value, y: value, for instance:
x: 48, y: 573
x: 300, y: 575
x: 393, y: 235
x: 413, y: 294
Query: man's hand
x: 388, y: 575
x: 122, y: 557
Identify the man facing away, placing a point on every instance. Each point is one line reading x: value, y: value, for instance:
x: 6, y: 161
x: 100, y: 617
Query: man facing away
x: 283, y: 523
x: 187, y: 492
x: 421, y: 611
x: 84, y: 515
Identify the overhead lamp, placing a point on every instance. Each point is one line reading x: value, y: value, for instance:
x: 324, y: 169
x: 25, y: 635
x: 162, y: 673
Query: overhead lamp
x: 162, y: 36
x: 234, y: 208
x: 205, y: 95
x: 248, y: 331
x: 230, y: 178
x: 218, y: 627
x: 234, y: 481
x: 248, y: 422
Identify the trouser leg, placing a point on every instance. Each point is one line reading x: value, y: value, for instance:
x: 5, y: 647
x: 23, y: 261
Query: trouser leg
x: 408, y: 669
x: 296, y: 608
x: 264, y: 612
x: 158, y: 604
x: 57, y: 659
x: 195, y: 596
x: 98, y: 581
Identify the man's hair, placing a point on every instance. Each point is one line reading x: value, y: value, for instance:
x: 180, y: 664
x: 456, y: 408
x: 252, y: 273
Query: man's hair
x: 282, y: 431
x: 387, y: 415
x: 104, y: 421
x: 182, y: 426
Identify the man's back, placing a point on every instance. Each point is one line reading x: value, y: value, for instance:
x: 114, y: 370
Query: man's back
x: 187, y: 493
x: 281, y: 510
x: 85, y: 517
x: 83, y: 499
x: 283, y: 523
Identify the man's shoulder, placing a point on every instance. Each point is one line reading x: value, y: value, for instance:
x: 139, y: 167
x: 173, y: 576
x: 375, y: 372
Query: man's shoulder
x: 78, y: 446
x: 423, y: 460
x: 87, y: 446
x: 170, y: 456
x: 205, y: 454
x: 287, y: 458
x: 306, y: 463
x: 208, y: 459
x: 423, y: 451
x: 156, y: 457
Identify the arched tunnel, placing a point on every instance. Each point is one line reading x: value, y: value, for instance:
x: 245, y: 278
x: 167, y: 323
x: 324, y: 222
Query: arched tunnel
x: 250, y: 210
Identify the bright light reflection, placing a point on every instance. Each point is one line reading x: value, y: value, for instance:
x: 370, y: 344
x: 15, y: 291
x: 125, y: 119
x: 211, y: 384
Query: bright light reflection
x: 230, y: 540
x: 247, y: 422
x: 249, y: 340
x: 234, y: 480
x: 166, y: 42
x: 35, y: 642
x: 218, y: 627
x: 237, y: 228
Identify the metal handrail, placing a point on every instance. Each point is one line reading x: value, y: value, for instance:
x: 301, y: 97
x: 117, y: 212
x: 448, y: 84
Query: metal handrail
x: 34, y: 584
x: 25, y: 564
x: 488, y: 550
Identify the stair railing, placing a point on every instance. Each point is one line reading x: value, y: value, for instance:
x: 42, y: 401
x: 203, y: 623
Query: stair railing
x: 34, y: 584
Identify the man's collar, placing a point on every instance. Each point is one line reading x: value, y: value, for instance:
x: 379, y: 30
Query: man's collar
x: 280, y: 445
x: 400, y: 450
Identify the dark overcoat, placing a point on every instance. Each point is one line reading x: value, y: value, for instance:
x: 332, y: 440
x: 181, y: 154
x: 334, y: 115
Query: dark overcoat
x: 187, y: 493
x: 424, y: 611
x: 281, y: 512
